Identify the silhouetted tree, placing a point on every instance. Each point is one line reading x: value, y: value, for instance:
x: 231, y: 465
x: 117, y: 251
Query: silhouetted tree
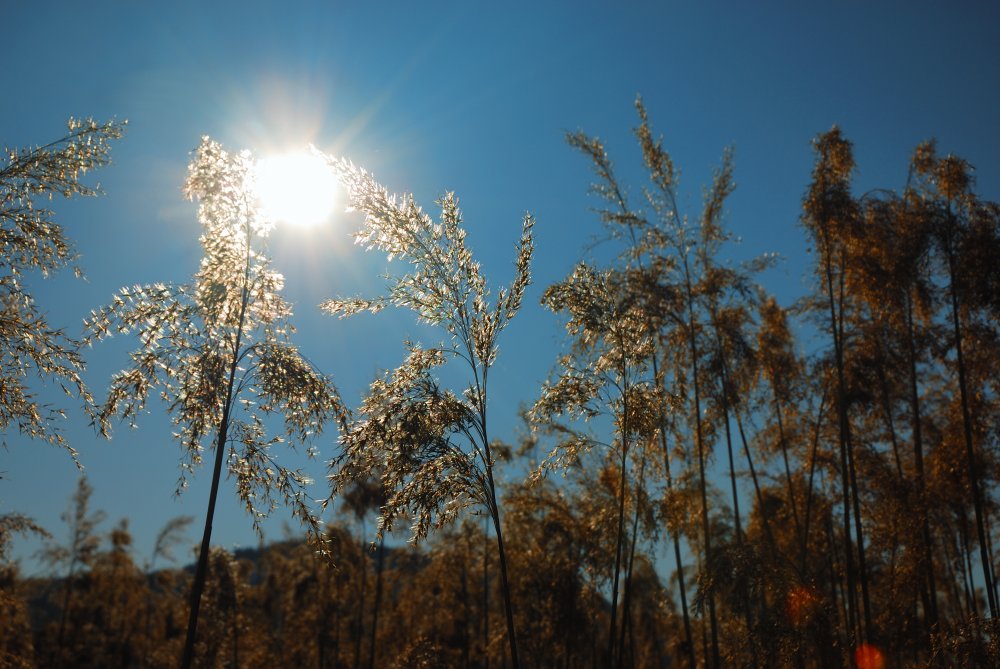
x: 430, y: 447
x: 830, y: 217
x: 79, y: 554
x: 944, y: 186
x: 16, y: 647
x: 605, y: 373
x: 32, y: 242
x: 218, y: 352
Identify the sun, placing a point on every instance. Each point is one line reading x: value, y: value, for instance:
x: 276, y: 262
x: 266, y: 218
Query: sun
x: 297, y: 188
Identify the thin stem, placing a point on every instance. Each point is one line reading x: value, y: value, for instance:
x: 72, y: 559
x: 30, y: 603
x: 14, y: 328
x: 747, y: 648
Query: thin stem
x: 495, y: 513
x: 202, y: 568
x: 977, y: 494
x: 689, y: 637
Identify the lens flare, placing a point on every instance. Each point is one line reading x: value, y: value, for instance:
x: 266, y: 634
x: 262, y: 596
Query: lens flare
x: 869, y: 657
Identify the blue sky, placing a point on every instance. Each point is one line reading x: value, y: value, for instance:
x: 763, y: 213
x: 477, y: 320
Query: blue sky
x: 470, y: 97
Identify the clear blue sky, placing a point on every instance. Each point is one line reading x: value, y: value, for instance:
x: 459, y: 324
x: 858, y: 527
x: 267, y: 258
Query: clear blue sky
x: 466, y: 96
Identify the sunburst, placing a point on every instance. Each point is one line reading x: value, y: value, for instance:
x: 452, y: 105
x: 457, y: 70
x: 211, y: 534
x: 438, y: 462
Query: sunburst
x: 297, y: 188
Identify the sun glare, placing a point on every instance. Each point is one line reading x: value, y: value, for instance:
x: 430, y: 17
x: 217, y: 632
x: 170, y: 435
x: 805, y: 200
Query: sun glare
x: 296, y: 188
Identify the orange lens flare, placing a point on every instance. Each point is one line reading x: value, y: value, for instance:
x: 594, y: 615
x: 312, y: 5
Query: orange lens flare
x: 869, y: 657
